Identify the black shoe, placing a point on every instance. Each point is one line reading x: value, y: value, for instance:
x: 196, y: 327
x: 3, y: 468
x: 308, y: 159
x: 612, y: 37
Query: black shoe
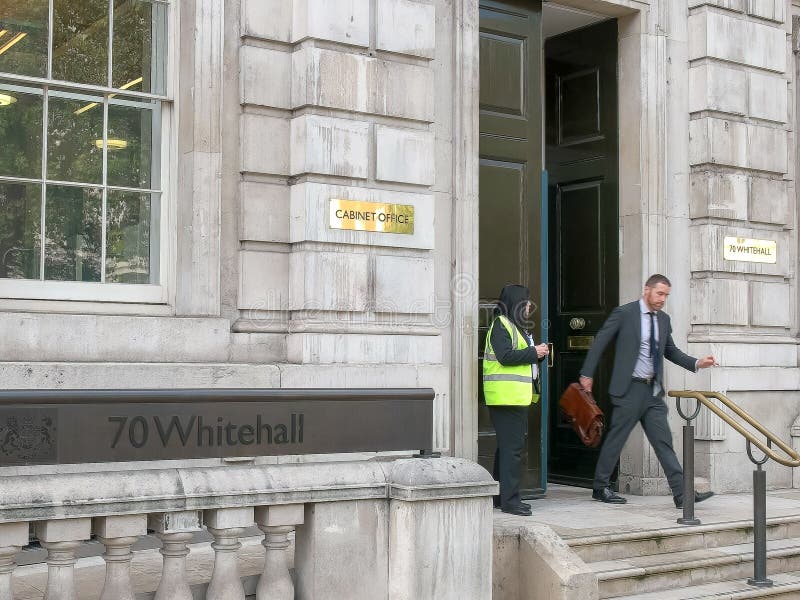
x: 608, y: 496
x: 698, y: 497
x: 525, y: 504
x: 518, y: 509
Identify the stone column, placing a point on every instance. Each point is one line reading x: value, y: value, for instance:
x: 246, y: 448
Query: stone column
x: 277, y: 522
x: 197, y: 286
x: 174, y: 530
x: 61, y: 539
x: 741, y: 157
x: 464, y: 223
x: 118, y: 534
x: 12, y: 537
x: 426, y: 558
x: 226, y: 525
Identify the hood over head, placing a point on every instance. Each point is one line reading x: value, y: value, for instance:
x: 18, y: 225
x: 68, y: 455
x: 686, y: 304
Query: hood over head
x: 512, y: 303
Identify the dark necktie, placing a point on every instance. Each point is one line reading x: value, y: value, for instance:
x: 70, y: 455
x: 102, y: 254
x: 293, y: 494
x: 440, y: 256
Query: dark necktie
x: 653, y: 347
x: 652, y: 334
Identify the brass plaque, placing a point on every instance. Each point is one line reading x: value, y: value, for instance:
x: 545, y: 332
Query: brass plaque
x: 580, y: 342
x: 371, y: 216
x: 747, y: 250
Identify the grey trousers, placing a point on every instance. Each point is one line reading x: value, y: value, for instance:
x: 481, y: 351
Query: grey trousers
x: 639, y: 406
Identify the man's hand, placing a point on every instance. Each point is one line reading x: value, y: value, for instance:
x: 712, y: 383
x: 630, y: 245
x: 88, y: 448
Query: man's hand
x: 542, y: 350
x: 707, y: 361
x: 586, y: 383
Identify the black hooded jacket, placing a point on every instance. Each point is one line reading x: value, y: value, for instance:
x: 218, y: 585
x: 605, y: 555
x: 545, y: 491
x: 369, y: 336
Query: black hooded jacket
x: 512, y: 305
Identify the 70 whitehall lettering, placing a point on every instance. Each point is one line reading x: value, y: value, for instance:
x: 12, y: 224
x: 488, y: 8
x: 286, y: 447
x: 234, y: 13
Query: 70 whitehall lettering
x: 750, y: 249
x: 193, y: 431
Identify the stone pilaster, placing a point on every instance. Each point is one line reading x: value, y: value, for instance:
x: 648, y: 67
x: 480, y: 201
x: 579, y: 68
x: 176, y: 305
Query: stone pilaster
x: 741, y: 172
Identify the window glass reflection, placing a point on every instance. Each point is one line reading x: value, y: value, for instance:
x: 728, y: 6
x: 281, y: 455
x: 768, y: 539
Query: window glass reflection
x: 74, y: 233
x: 20, y: 228
x: 75, y: 139
x: 80, y: 41
x: 139, y: 39
x: 20, y: 133
x: 70, y: 155
x: 23, y: 37
x: 130, y: 146
x: 128, y: 237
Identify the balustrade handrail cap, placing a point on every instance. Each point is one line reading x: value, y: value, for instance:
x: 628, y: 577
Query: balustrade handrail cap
x: 92, y: 494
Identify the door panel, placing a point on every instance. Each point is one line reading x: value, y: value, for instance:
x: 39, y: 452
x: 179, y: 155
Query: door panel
x: 581, y: 158
x: 510, y: 187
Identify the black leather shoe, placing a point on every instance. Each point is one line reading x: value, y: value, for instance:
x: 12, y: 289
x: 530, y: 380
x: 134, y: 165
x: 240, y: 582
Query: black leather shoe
x: 525, y: 505
x: 698, y: 497
x: 518, y: 509
x: 608, y: 496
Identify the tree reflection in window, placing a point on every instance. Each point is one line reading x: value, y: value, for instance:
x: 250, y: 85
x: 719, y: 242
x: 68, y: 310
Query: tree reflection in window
x: 81, y: 142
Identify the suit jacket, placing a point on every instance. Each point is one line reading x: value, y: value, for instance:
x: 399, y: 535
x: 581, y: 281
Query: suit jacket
x: 624, y: 325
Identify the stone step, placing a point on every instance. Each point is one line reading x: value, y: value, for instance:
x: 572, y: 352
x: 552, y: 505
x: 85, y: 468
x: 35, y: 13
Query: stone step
x: 785, y: 585
x: 676, y: 570
x: 615, y: 546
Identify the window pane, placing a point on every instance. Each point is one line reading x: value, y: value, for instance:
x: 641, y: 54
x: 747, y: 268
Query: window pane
x: 75, y: 140
x: 128, y: 237
x: 80, y: 41
x: 20, y: 134
x: 20, y: 227
x: 23, y: 43
x: 130, y: 146
x: 139, y: 45
x: 73, y: 220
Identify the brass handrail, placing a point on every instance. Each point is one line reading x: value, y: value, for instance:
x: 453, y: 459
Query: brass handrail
x: 703, y: 397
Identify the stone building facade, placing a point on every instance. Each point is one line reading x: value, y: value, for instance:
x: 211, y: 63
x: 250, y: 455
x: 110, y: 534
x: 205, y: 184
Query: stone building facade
x: 272, y: 108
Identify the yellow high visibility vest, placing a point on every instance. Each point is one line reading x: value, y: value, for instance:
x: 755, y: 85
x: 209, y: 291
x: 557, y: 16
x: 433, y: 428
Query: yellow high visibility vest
x: 507, y: 385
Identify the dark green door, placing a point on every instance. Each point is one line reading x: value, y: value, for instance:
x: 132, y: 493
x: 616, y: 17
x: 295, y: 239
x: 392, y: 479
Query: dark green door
x: 510, y: 186
x: 581, y: 158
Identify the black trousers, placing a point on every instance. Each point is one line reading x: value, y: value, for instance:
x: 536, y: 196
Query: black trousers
x: 510, y: 423
x: 639, y: 406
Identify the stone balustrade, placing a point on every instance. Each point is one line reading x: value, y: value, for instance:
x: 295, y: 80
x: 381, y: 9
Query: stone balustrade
x: 399, y: 529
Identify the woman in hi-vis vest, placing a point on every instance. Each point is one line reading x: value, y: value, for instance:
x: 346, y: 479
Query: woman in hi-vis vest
x: 510, y: 368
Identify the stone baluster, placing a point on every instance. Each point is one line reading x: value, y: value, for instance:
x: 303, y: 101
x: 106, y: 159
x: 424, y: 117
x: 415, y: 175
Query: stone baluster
x: 175, y: 530
x: 61, y: 538
x: 226, y: 525
x: 12, y: 537
x: 118, y: 534
x: 277, y: 522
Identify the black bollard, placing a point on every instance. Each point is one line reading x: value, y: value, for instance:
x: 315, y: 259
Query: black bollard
x: 759, y: 578
x: 688, y: 477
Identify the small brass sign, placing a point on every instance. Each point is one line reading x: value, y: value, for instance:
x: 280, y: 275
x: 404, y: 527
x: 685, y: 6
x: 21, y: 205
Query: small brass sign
x: 745, y: 249
x: 371, y: 216
x: 580, y: 342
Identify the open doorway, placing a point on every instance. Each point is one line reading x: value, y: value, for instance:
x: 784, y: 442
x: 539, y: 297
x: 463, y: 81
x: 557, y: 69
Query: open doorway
x: 548, y: 201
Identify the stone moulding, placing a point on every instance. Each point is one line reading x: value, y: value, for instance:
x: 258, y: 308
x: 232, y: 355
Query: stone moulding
x: 436, y: 479
x: 80, y: 495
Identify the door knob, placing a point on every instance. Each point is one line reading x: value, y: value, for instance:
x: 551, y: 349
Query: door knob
x: 550, y: 357
x: 577, y: 323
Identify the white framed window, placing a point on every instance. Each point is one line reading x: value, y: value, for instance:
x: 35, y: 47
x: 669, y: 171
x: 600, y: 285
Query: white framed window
x: 83, y: 112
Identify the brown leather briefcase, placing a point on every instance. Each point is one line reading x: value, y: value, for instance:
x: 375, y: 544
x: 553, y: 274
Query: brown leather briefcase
x: 582, y: 411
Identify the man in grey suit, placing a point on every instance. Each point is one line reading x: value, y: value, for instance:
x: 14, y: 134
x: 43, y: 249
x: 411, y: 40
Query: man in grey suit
x: 643, y: 338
